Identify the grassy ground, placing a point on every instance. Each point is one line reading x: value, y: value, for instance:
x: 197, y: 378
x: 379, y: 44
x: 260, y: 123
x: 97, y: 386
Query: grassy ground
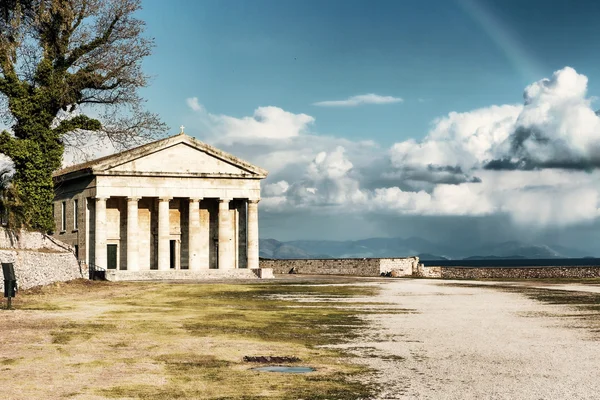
x: 88, y: 340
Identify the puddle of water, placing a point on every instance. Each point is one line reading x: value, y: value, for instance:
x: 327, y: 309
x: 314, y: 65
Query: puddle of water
x: 287, y: 370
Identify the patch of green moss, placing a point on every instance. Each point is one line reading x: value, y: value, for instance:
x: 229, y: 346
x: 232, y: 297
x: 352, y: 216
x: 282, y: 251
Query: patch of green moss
x: 82, y: 331
x: 8, y: 361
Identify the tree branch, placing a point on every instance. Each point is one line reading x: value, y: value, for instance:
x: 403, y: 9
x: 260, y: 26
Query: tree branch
x: 77, y: 53
x: 80, y: 17
x: 78, y: 122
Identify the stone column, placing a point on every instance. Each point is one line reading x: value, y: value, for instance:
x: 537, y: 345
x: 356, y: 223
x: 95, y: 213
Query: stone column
x: 226, y: 255
x: 164, y: 234
x: 206, y: 240
x: 132, y: 234
x: 252, y: 244
x: 194, y: 239
x: 100, y: 233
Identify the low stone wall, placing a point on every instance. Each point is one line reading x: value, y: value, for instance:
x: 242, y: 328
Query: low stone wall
x: 346, y: 266
x: 399, y: 266
x: 24, y: 240
x: 427, y: 272
x: 181, y: 274
x: 518, y: 272
x: 411, y: 267
x: 38, y: 259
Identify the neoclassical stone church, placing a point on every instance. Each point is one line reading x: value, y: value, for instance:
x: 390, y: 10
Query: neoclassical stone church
x: 174, y: 204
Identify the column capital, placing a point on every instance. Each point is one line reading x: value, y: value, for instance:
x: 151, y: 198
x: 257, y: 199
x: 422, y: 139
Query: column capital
x: 101, y: 198
x: 224, y: 200
x: 165, y: 198
x: 253, y: 201
x: 195, y: 199
x: 133, y: 198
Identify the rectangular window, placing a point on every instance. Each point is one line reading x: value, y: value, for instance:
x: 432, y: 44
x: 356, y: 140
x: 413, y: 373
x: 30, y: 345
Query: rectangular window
x: 75, y: 212
x: 63, y: 224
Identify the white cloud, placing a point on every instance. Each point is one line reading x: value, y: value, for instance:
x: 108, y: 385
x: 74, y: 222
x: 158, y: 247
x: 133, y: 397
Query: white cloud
x: 273, y: 138
x: 459, y: 139
x: 354, y: 101
x: 326, y: 182
x: 194, y: 104
x: 271, y: 123
x: 557, y: 126
x: 448, y: 173
x: 275, y: 189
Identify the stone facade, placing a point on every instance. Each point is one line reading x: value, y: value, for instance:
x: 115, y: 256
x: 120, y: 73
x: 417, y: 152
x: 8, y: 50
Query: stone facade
x: 38, y: 259
x: 175, y: 204
x: 347, y: 266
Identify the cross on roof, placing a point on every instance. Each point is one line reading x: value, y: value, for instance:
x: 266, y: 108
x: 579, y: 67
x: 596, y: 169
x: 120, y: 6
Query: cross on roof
x: 182, y: 128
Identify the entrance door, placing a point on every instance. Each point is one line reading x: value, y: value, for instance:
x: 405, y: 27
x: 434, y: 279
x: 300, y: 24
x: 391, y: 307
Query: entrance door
x: 111, y: 256
x: 173, y: 253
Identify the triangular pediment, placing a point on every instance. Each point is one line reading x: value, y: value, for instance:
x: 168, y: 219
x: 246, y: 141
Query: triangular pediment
x: 176, y: 155
x: 179, y: 159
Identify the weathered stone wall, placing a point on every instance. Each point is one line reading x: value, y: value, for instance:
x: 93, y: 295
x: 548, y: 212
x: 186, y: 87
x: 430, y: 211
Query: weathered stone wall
x: 23, y: 240
x: 346, y: 266
x: 410, y: 266
x: 427, y: 272
x: 518, y: 272
x: 38, y: 259
x: 400, y: 266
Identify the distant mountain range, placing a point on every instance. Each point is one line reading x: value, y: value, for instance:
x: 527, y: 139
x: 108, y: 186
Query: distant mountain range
x: 399, y: 247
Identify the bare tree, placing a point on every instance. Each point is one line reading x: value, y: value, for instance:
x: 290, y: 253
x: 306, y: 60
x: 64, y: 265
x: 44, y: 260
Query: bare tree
x: 68, y: 67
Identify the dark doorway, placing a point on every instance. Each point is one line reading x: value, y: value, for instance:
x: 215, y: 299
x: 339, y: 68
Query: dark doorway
x: 111, y: 256
x: 173, y: 252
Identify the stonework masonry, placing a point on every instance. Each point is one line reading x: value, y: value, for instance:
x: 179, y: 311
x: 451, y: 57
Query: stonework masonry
x: 38, y: 259
x: 518, y: 272
x: 411, y: 267
x: 400, y: 266
x: 348, y: 266
x: 422, y: 271
x: 182, y: 274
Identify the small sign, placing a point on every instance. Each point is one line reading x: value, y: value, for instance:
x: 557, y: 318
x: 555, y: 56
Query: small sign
x: 9, y: 272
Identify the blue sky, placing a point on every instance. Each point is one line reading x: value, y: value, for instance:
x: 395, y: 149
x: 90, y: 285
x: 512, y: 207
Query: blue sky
x: 238, y: 55
x: 456, y: 153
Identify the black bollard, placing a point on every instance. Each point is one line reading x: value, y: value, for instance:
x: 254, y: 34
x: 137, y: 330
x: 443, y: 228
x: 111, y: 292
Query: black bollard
x: 10, y: 283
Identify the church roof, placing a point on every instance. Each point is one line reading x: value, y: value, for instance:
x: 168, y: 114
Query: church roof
x: 124, y: 163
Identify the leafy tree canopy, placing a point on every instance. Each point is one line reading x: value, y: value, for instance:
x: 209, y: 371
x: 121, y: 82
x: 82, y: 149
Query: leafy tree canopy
x: 67, y: 68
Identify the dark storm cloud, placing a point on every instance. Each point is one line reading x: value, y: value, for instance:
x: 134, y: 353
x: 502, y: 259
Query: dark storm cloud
x: 521, y: 159
x: 525, y: 164
x: 432, y: 174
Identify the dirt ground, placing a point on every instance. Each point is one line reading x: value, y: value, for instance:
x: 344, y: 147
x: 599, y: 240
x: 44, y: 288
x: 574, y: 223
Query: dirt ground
x: 484, y: 340
x: 410, y: 338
